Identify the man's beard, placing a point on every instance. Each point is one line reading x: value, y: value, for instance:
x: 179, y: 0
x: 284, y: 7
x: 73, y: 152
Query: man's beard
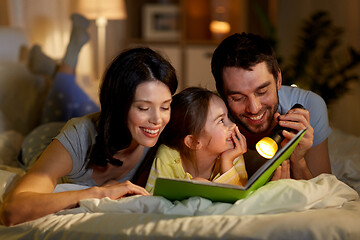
x: 260, y: 129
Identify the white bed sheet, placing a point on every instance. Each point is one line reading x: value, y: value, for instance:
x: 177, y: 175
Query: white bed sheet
x: 322, y: 208
x: 329, y: 223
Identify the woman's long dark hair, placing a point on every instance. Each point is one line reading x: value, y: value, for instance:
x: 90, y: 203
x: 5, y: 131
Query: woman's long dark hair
x: 124, y: 74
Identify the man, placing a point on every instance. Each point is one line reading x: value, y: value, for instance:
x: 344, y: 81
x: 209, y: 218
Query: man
x: 249, y: 80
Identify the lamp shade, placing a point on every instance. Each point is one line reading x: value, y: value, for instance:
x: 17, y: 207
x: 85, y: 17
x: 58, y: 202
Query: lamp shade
x: 110, y: 9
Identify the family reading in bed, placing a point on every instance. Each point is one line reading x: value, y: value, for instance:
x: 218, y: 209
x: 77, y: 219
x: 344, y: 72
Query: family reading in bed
x: 112, y: 150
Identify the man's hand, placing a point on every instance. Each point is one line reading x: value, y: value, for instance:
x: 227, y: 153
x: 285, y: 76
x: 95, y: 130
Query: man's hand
x: 298, y: 119
x: 282, y: 172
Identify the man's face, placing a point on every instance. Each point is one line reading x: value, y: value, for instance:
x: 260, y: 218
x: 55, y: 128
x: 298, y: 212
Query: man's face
x: 252, y: 96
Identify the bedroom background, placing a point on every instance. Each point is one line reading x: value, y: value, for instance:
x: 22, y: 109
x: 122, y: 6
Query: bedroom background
x: 188, y: 41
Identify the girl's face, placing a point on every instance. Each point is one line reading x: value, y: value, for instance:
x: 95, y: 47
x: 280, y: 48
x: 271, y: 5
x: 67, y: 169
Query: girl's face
x: 216, y: 136
x: 149, y: 113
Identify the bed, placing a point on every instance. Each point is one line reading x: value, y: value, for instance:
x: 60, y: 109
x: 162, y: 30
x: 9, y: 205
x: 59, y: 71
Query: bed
x: 326, y: 207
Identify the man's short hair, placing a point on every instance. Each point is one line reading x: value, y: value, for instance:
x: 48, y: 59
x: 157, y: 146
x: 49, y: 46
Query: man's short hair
x: 243, y: 50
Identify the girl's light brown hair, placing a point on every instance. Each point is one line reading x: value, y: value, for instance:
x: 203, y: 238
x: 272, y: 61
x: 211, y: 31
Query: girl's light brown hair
x: 189, y: 110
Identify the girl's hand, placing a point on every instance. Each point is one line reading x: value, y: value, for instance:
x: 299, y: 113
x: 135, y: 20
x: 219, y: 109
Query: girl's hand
x: 200, y: 179
x: 117, y: 190
x: 240, y: 147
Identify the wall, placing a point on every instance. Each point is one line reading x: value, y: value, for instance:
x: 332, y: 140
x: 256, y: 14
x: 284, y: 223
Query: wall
x: 344, y: 114
x: 4, y: 17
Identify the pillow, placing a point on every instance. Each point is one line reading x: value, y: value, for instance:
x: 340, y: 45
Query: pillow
x: 13, y: 44
x: 21, y: 98
x: 345, y: 157
x: 10, y: 144
x: 8, y: 177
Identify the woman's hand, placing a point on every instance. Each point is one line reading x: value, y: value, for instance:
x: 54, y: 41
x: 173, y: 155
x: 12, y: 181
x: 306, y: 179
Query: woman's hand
x: 240, y: 147
x: 115, y: 190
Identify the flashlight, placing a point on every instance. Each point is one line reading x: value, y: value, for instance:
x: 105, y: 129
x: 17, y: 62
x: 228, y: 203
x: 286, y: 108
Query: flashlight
x: 268, y: 146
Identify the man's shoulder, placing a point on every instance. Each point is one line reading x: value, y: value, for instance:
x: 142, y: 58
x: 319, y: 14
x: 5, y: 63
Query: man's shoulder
x: 289, y: 96
x: 295, y: 92
x: 315, y: 104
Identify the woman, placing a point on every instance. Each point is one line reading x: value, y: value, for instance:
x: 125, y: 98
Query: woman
x: 103, y: 150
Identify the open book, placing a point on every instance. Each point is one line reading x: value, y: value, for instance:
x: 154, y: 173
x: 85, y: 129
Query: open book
x: 180, y: 189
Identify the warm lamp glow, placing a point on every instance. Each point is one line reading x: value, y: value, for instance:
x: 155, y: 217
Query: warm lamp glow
x: 219, y: 27
x: 220, y: 18
x: 110, y: 9
x: 101, y: 11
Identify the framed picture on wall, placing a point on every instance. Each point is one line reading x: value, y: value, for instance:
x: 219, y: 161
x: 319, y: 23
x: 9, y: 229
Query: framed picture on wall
x: 161, y: 22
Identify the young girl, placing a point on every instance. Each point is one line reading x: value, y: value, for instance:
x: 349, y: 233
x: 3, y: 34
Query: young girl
x: 200, y: 142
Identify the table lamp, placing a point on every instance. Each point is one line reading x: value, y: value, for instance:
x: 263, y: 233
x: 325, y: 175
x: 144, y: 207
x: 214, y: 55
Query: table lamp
x: 219, y: 24
x: 102, y: 11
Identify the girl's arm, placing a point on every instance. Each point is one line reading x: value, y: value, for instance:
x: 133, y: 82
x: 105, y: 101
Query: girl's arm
x: 32, y: 197
x: 232, y: 162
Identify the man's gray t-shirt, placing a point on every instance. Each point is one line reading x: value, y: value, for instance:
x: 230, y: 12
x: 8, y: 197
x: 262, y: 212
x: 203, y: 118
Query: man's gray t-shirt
x: 78, y: 137
x: 289, y: 96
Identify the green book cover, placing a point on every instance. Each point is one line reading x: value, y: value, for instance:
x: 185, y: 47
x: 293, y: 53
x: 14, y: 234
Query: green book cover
x: 180, y: 189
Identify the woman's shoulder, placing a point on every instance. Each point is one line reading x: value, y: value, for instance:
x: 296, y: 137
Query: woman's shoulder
x: 84, y: 122
x: 80, y: 128
x: 90, y: 119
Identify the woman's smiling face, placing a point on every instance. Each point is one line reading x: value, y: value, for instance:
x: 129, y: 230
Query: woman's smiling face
x: 149, y: 112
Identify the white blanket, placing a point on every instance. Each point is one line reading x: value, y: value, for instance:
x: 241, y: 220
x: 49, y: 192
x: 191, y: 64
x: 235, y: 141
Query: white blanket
x: 321, y: 208
x: 280, y: 196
